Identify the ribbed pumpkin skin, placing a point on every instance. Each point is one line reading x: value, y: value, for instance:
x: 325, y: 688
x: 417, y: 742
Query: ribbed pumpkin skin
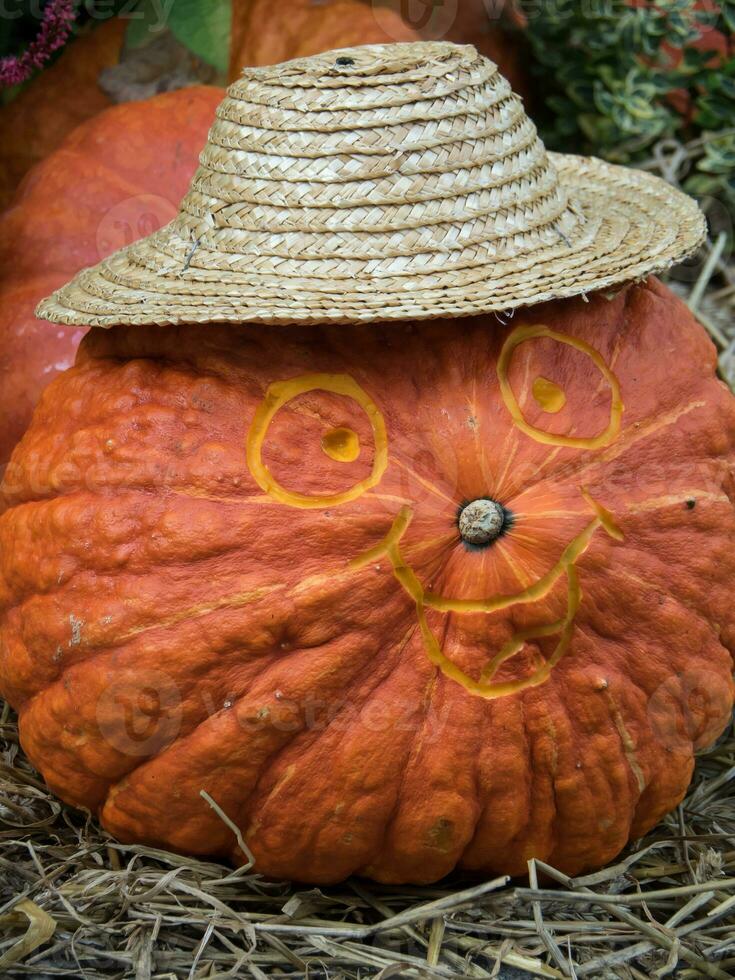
x: 168, y: 626
x: 115, y: 170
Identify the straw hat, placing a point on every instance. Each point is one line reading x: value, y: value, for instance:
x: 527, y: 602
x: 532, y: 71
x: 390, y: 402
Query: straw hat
x: 386, y: 182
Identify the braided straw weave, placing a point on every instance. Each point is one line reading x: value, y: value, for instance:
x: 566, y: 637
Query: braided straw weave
x: 384, y: 182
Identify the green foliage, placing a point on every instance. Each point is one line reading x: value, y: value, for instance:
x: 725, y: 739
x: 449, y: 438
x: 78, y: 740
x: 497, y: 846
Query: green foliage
x: 20, y: 22
x: 618, y: 78
x: 203, y: 28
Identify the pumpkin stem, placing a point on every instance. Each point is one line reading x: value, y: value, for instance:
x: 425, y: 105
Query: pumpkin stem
x: 482, y: 521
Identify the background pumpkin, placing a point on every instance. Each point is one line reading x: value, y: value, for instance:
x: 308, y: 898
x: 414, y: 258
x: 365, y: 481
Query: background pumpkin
x: 264, y: 33
x: 55, y: 102
x: 111, y: 181
x: 168, y: 627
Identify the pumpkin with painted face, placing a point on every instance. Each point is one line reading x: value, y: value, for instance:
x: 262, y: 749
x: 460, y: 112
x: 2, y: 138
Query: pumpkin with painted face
x: 399, y: 596
x: 398, y: 599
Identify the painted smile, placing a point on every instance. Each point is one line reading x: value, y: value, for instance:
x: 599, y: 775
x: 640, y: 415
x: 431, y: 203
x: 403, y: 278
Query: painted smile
x: 486, y: 686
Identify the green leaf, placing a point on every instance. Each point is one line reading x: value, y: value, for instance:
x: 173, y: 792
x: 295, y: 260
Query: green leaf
x: 695, y: 60
x: 204, y: 29
x: 145, y: 23
x: 615, y: 77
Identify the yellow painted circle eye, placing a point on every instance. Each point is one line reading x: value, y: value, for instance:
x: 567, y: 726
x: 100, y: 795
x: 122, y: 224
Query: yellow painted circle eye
x: 548, y: 395
x: 545, y: 390
x: 341, y: 444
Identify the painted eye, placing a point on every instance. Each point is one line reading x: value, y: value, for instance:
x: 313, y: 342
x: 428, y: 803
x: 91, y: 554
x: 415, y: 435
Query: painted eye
x: 302, y: 431
x: 551, y: 396
x: 548, y: 395
x: 341, y: 444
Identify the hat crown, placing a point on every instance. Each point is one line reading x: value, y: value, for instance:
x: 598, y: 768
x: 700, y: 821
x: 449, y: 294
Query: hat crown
x: 404, y: 156
x: 385, y: 182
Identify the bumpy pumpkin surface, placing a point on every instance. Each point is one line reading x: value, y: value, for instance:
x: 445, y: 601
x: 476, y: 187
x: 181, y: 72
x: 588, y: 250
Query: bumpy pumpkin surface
x: 231, y: 561
x: 108, y: 183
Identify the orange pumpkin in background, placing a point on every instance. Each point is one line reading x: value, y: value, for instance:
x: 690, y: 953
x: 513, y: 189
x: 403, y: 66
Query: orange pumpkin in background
x: 55, y: 102
x: 241, y: 561
x: 117, y: 177
x: 264, y: 33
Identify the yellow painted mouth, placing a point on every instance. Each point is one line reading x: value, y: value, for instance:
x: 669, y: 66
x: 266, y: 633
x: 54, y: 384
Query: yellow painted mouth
x: 486, y: 687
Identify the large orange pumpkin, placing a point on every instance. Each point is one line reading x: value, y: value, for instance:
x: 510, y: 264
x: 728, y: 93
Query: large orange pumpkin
x: 397, y: 598
x: 114, y: 179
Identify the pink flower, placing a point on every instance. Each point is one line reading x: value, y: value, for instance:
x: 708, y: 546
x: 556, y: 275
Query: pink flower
x: 56, y: 24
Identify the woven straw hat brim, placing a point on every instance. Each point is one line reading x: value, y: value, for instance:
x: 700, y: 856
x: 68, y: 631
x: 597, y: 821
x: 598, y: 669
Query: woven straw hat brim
x: 407, y: 184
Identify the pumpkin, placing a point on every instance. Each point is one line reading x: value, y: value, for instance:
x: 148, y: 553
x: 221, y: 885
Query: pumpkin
x: 398, y: 598
x: 111, y: 181
x: 55, y: 102
x: 264, y: 33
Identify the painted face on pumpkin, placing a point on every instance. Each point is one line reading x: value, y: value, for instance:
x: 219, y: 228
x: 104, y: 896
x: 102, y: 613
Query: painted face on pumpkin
x: 480, y: 522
